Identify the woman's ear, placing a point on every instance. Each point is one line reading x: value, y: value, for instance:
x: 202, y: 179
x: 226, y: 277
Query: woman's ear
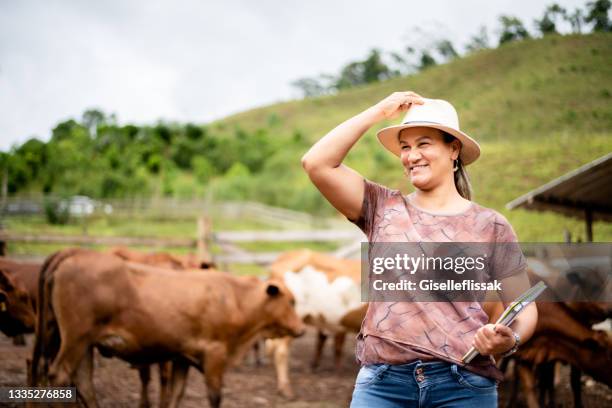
x: 456, y: 149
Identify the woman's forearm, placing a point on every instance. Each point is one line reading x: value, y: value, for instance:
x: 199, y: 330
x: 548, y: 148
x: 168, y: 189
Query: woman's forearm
x: 332, y: 148
x: 525, y: 324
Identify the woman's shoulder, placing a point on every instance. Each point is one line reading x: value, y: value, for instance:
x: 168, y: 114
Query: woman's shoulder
x: 487, y: 210
x: 379, y: 190
x: 503, y: 228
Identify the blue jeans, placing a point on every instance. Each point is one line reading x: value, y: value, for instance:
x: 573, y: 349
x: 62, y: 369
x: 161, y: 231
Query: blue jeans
x: 422, y: 384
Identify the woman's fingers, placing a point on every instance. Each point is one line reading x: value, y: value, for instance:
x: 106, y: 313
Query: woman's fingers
x: 413, y: 96
x: 503, y: 330
x: 410, y: 96
x: 480, y: 345
x: 398, y: 102
x: 486, y: 339
x: 492, y: 339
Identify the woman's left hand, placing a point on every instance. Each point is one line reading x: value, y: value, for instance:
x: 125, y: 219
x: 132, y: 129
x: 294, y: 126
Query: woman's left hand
x: 493, y: 339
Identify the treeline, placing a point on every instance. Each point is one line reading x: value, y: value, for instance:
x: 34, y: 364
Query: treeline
x: 95, y: 156
x: 379, y: 66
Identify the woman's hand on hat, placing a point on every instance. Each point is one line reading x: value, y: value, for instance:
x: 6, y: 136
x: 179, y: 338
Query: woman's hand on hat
x: 397, y: 103
x: 493, y: 339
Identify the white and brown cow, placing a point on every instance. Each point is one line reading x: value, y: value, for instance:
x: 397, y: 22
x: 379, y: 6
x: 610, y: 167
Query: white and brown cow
x: 327, y: 296
x: 144, y: 314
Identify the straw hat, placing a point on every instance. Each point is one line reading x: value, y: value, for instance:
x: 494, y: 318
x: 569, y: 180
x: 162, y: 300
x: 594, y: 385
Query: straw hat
x: 437, y: 114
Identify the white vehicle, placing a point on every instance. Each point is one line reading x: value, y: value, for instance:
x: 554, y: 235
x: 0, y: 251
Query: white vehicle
x: 80, y: 206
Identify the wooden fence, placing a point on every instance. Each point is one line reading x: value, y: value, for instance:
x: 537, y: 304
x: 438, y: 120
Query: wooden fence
x: 303, y: 228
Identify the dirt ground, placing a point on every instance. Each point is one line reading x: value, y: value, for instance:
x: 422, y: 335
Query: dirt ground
x: 250, y: 386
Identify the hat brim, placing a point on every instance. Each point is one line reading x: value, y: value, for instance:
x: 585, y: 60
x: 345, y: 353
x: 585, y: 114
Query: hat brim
x: 388, y: 137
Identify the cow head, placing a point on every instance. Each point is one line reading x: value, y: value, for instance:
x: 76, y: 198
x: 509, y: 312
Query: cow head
x: 16, y: 313
x: 279, y: 310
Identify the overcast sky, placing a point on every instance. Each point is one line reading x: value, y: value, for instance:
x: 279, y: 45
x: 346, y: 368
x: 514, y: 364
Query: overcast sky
x: 198, y: 60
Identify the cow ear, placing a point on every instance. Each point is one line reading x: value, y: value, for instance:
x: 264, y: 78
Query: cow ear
x: 272, y: 290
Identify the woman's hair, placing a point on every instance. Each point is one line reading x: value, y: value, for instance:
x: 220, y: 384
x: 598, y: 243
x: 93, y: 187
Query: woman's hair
x: 462, y: 180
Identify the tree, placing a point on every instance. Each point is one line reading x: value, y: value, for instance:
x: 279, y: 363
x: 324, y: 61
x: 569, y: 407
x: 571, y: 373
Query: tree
x: 34, y: 156
x: 202, y: 169
x: 316, y: 86
x: 374, y: 69
x: 446, y: 49
x: 426, y: 60
x: 479, y: 41
x: 351, y: 75
x: 575, y: 19
x: 164, y: 133
x: 405, y: 63
x: 547, y: 25
x: 597, y: 14
x: 67, y: 130
x: 309, y: 87
x: 512, y: 30
x: 91, y: 119
x: 400, y: 62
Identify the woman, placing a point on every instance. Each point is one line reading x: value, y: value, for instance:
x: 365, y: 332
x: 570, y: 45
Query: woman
x: 416, y: 360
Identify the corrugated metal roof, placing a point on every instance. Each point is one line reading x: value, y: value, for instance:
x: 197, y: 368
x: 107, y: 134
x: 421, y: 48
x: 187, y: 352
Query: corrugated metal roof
x: 587, y: 187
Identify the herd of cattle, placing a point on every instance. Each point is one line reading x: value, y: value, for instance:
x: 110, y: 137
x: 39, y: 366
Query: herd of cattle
x: 178, y: 312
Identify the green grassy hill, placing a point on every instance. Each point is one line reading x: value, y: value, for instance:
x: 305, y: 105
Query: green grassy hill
x: 539, y: 108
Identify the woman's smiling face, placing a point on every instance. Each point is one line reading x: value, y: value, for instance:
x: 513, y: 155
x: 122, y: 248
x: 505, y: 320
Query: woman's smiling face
x: 427, y: 158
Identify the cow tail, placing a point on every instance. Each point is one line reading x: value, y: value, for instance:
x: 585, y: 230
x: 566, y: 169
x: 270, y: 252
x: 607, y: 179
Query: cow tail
x: 43, y: 305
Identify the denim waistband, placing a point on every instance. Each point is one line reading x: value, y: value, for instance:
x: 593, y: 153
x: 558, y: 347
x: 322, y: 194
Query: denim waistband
x: 429, y: 366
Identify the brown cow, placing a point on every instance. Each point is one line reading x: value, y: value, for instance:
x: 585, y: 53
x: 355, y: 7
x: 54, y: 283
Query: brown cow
x: 559, y: 336
x: 18, y: 291
x: 16, y: 314
x: 144, y: 314
x: 162, y: 259
x: 593, y: 357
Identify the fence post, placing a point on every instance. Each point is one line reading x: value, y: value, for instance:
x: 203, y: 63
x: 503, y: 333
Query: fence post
x: 203, y: 239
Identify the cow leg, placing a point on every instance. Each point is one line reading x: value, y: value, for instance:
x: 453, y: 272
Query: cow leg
x: 165, y: 382
x: 575, y: 375
x: 178, y: 381
x: 257, y: 353
x: 83, y: 380
x: 546, y: 385
x: 339, y: 339
x: 215, y: 361
x: 144, y: 372
x: 67, y: 361
x: 553, y: 374
x: 321, y: 338
x: 514, y: 384
x: 528, y: 383
x: 280, y: 351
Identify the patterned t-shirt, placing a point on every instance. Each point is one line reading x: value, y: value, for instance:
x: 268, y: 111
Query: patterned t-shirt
x: 401, y: 332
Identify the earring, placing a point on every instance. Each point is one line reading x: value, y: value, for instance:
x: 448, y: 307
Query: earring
x: 455, y: 164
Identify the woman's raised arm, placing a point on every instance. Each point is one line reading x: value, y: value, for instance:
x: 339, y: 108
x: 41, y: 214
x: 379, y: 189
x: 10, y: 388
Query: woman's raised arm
x: 339, y: 184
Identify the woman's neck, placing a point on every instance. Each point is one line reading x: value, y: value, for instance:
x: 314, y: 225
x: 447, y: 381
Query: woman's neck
x: 444, y: 198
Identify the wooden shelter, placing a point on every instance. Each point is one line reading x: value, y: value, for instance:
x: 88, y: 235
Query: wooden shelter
x: 585, y: 193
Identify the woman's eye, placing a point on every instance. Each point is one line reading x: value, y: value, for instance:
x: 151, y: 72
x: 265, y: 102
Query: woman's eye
x: 404, y: 147
x: 423, y: 144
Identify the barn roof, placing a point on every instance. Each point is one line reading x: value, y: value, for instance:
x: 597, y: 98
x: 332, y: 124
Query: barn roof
x: 585, y: 189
